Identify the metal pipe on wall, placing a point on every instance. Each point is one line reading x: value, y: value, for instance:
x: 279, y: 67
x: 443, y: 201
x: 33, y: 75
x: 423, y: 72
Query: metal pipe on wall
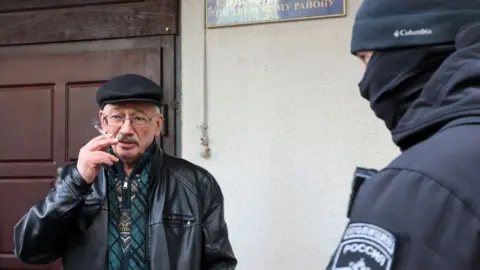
x: 205, y: 141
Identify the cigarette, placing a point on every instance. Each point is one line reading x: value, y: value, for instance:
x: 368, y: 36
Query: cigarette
x: 101, y: 131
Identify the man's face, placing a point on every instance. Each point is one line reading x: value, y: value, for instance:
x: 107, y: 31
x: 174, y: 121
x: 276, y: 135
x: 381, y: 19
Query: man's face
x: 365, y: 57
x: 135, y: 125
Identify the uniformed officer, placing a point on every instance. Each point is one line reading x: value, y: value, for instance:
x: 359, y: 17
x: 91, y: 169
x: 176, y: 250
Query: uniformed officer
x: 422, y: 79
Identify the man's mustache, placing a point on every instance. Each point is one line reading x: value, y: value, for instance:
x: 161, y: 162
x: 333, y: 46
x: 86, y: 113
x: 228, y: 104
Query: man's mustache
x: 128, y: 138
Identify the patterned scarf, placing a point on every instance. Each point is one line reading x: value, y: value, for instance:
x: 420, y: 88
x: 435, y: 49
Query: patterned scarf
x: 128, y: 208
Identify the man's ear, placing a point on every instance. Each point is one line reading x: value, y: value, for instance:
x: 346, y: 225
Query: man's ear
x: 101, y: 115
x: 159, y: 123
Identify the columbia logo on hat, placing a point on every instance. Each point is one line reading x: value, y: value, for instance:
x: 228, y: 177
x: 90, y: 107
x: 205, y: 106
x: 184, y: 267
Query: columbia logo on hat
x: 410, y: 32
x: 394, y: 24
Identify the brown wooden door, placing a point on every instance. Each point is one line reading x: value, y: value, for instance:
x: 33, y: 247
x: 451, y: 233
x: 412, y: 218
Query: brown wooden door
x: 47, y: 105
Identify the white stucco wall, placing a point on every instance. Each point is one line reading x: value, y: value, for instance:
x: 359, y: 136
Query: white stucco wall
x: 287, y: 128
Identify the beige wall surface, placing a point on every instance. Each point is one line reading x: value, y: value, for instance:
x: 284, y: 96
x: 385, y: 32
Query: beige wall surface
x: 287, y: 127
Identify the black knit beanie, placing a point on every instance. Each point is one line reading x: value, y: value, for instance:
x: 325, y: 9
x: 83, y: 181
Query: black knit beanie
x: 386, y: 24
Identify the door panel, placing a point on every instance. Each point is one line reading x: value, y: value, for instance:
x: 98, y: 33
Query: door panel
x: 47, y: 107
x: 33, y: 21
x: 21, y: 194
x: 15, y: 5
x: 39, y: 100
x: 81, y: 113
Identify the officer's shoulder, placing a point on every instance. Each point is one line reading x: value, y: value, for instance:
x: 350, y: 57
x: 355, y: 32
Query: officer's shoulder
x: 441, y: 157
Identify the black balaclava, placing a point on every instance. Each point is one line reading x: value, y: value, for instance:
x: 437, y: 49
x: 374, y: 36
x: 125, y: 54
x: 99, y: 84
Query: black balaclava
x: 395, y: 78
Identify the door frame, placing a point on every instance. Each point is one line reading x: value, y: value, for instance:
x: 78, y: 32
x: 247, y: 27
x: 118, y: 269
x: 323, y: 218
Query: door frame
x: 178, y: 95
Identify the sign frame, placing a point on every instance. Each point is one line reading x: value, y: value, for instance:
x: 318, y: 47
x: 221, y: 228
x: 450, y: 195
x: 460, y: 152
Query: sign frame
x: 336, y: 15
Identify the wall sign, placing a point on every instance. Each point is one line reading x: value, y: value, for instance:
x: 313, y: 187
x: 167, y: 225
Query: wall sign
x: 221, y: 13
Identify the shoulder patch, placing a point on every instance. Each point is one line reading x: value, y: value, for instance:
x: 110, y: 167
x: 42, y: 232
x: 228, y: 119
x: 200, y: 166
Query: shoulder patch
x: 365, y: 247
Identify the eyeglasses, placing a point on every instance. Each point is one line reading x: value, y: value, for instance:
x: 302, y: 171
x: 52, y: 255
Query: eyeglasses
x: 116, y: 120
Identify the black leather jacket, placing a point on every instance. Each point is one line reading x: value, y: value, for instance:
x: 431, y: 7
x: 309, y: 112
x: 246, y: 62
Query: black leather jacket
x: 186, y: 226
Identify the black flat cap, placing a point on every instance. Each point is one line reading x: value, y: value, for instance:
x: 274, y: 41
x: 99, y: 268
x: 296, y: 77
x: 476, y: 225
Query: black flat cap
x: 129, y: 88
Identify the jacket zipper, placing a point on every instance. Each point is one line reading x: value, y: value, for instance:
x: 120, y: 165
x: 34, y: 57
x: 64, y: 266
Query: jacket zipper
x: 125, y: 210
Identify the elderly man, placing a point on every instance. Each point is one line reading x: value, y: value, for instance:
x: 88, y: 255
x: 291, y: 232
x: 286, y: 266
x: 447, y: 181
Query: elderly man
x: 125, y: 204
